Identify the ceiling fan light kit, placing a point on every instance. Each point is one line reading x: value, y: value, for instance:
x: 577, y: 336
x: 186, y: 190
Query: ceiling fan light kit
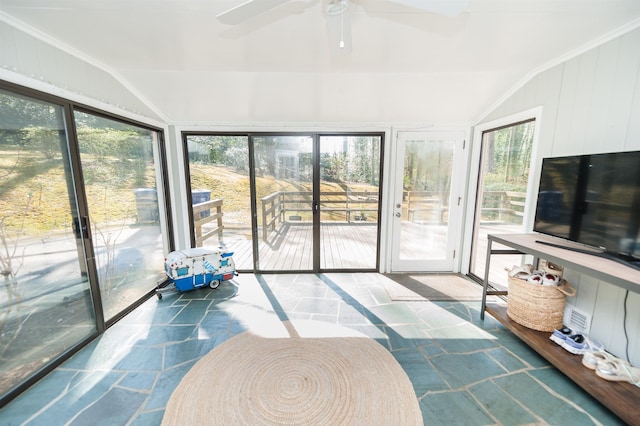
x: 337, y: 7
x: 247, y: 10
x: 338, y: 19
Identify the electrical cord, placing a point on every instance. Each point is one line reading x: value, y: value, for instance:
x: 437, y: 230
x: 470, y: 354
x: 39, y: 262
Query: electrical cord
x: 624, y: 325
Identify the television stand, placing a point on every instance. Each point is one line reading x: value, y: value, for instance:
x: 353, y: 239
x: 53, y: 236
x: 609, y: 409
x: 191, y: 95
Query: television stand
x: 620, y: 397
x: 571, y: 247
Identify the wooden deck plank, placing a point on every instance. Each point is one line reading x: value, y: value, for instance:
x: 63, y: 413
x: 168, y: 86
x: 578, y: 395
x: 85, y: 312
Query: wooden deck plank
x: 343, y: 246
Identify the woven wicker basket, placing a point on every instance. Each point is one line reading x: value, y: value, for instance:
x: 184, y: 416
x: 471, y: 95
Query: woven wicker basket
x: 538, y: 307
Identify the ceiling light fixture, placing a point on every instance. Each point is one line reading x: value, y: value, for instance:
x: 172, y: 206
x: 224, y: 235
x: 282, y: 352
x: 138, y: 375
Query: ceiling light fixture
x: 339, y: 7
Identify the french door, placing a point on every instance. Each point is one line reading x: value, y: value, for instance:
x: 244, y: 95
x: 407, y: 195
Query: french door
x: 427, y: 204
x: 316, y: 201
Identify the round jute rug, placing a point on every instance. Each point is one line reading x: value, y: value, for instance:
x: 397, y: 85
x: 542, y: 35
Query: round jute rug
x: 254, y: 380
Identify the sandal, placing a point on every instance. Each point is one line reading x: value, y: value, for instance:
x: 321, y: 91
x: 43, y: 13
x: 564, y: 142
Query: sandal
x: 522, y: 272
x: 618, y: 371
x: 592, y: 359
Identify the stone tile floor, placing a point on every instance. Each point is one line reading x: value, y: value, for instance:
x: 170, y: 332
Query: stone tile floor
x: 464, y: 371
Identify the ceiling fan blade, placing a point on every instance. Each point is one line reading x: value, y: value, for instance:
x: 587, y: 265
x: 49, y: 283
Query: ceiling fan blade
x: 441, y: 7
x: 247, y: 10
x: 339, y: 29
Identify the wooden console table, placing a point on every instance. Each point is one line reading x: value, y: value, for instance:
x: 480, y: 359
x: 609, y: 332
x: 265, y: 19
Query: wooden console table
x: 620, y: 397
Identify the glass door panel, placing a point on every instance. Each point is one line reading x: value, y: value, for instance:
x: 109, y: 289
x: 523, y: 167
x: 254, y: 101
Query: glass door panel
x: 45, y: 298
x: 283, y: 167
x: 349, y: 191
x: 502, y: 185
x: 119, y: 172
x: 426, y: 219
x: 220, y: 194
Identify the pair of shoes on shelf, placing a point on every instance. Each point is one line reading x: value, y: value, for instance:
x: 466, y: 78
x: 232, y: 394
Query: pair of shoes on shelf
x: 577, y: 344
x: 611, y: 368
x: 560, y: 335
x: 545, y: 279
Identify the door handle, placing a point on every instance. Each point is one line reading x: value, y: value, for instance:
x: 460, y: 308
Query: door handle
x: 81, y: 227
x: 315, y: 207
x: 86, y: 229
x: 398, y: 214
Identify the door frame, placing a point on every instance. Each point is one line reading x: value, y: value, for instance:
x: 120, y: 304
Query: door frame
x: 474, y: 171
x: 457, y: 194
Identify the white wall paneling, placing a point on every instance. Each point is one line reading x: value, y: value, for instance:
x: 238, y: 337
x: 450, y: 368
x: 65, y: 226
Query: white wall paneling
x: 590, y: 104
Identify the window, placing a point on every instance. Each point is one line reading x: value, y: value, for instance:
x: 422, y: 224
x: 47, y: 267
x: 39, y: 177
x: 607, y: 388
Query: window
x: 502, y: 185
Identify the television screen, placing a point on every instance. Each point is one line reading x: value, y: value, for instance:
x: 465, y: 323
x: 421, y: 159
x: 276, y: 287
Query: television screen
x: 610, y: 212
x: 557, y: 196
x: 593, y: 200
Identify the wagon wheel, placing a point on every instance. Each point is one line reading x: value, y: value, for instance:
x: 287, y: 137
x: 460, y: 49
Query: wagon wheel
x: 214, y: 283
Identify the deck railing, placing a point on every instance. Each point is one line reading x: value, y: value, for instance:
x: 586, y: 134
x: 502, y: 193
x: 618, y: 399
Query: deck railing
x: 498, y: 207
x: 502, y: 207
x: 296, y: 207
x: 427, y: 206
x: 204, y: 213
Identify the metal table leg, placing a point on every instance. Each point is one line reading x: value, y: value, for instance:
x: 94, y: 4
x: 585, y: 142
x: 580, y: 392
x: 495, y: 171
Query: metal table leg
x: 485, y: 282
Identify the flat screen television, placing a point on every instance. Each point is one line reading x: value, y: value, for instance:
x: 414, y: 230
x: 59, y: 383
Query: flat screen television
x: 593, y: 200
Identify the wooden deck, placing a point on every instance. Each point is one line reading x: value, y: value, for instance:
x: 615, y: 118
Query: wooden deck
x: 289, y: 248
x: 351, y: 246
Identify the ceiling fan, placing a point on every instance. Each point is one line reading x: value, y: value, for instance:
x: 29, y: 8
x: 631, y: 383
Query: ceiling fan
x: 337, y: 12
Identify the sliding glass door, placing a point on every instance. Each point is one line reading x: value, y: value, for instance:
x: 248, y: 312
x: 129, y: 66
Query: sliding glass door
x: 349, y: 201
x: 81, y: 240
x: 317, y: 201
x: 119, y: 175
x: 45, y: 297
x: 287, y: 202
x: 220, y: 194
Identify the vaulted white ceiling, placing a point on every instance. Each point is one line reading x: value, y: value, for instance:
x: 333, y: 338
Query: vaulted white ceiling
x: 406, y: 65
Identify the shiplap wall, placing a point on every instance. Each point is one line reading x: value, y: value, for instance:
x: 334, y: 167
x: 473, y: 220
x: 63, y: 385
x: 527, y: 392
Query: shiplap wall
x: 25, y: 55
x: 591, y: 104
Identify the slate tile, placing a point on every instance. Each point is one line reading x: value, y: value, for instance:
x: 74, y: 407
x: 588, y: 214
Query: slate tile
x: 422, y: 375
x: 460, y: 370
x: 531, y: 394
x: 500, y: 404
x: 116, y: 407
x: 453, y: 408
